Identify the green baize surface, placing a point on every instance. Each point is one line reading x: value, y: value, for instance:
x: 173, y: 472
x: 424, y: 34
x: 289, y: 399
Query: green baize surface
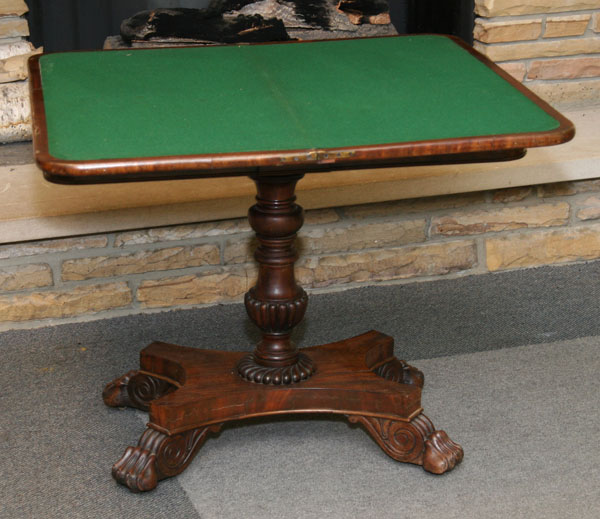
x: 244, y: 98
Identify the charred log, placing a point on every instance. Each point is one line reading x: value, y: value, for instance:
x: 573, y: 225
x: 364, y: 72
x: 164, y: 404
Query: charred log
x: 233, y: 21
x: 203, y: 25
x: 366, y: 11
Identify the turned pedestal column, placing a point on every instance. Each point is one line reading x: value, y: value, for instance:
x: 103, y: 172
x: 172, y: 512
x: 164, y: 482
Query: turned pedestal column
x: 276, y: 304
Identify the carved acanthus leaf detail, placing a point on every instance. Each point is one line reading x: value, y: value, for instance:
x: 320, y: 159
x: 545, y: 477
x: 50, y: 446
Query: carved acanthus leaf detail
x: 415, y: 442
x: 399, y: 371
x: 403, y: 441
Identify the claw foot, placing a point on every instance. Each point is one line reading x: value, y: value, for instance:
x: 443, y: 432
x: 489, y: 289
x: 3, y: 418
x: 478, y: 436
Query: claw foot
x: 136, y: 470
x: 441, y: 453
x: 158, y: 456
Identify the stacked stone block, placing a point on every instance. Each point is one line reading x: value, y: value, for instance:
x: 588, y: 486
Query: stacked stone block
x: 552, y: 46
x: 15, y: 50
x: 391, y: 242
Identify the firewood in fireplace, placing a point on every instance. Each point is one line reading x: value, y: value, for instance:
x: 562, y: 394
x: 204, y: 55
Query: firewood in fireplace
x: 232, y: 21
x: 296, y: 14
x: 201, y: 25
x: 366, y: 11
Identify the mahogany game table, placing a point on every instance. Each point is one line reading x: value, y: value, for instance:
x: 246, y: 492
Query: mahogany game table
x: 275, y: 112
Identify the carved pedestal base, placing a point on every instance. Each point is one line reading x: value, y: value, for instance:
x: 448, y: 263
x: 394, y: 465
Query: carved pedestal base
x: 190, y: 392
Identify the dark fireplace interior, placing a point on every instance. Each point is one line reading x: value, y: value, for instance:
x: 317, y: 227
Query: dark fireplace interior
x: 61, y: 25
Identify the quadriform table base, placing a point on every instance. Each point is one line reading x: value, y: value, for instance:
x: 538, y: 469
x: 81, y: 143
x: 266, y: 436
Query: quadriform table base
x: 196, y: 391
x: 190, y: 392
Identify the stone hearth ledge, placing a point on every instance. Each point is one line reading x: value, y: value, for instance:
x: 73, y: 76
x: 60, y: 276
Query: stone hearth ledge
x: 32, y: 208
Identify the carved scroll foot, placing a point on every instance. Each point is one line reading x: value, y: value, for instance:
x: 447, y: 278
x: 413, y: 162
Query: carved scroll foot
x: 135, y: 389
x: 413, y: 442
x: 400, y: 371
x: 158, y: 456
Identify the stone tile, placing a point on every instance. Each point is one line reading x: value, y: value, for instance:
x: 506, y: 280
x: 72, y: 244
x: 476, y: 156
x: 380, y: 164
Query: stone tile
x: 210, y: 229
x: 586, y: 186
x: 556, y: 189
x: 560, y: 26
x: 320, y: 216
x: 22, y: 277
x: 361, y: 236
x: 571, y: 91
x: 13, y: 7
x: 431, y: 259
x: 15, y: 68
x: 490, y: 8
x: 226, y: 284
x: 507, y: 31
x: 564, y: 68
x: 13, y: 27
x: 511, y: 194
x: 182, y: 232
x: 139, y: 262
x: 323, y: 240
x: 539, y: 49
x: 515, y: 68
x: 501, y: 219
x: 52, y: 246
x: 596, y: 22
x: 240, y: 249
x: 543, y: 247
x: 64, y: 303
x: 17, y: 48
x: 414, y: 205
x: 15, y: 117
x: 590, y: 209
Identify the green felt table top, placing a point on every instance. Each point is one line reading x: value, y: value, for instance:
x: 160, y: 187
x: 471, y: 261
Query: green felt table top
x: 247, y: 98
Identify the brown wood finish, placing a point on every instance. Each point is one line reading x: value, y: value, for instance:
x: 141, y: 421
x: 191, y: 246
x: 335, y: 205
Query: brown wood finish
x: 276, y: 304
x: 210, y: 393
x: 158, y: 456
x: 441, y: 151
x: 188, y: 391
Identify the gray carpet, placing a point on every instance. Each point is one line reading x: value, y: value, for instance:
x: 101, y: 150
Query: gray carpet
x: 511, y: 363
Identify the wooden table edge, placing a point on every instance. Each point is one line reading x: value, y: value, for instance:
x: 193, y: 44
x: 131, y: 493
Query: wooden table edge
x: 463, y: 149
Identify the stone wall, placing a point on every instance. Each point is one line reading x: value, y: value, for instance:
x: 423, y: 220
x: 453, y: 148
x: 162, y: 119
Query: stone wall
x: 393, y: 242
x: 553, y: 46
x: 15, y: 50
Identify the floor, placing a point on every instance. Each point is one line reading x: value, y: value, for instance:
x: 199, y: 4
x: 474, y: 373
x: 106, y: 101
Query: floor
x: 510, y: 361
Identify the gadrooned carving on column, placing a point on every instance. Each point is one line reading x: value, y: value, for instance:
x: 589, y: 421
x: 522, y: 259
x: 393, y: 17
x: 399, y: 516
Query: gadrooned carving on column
x: 276, y: 316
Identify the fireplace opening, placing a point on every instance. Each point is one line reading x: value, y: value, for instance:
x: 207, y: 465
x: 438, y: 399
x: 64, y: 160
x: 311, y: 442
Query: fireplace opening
x: 61, y: 25
x: 456, y: 17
